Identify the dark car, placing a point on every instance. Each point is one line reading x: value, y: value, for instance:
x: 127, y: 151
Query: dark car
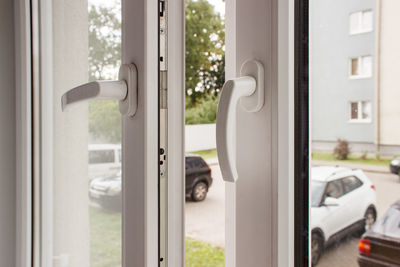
x: 107, y: 191
x: 198, y: 177
x: 381, y: 245
x: 395, y: 166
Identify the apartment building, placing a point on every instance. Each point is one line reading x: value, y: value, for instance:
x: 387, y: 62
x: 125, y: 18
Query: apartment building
x: 359, y: 76
x: 387, y: 136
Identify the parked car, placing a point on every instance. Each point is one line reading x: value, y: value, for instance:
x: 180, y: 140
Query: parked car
x: 104, y: 160
x: 198, y: 177
x: 381, y: 245
x: 343, y: 202
x: 395, y: 166
x: 107, y: 190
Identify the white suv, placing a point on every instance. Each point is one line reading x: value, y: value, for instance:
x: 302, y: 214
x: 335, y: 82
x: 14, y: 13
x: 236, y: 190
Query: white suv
x: 343, y: 201
x: 104, y: 160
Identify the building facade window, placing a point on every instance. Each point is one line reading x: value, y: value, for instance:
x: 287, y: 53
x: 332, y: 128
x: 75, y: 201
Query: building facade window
x: 361, y: 67
x: 361, y: 22
x: 360, y: 111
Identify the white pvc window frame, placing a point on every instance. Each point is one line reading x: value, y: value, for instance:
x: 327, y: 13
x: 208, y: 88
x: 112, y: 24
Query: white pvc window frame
x: 282, y: 235
x: 140, y: 139
x: 361, y: 105
x: 249, y: 23
x: 358, y: 23
x: 23, y: 82
x: 176, y: 133
x: 364, y: 70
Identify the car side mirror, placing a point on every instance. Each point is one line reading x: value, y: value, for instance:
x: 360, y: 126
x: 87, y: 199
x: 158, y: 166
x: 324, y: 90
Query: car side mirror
x: 330, y: 201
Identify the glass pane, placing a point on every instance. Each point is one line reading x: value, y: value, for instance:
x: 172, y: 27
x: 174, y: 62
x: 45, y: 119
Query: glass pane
x: 86, y: 191
x: 357, y: 159
x: 317, y: 191
x: 367, y: 66
x: 354, y: 110
x: 366, y: 110
x: 354, y: 67
x: 367, y: 20
x: 205, y: 189
x: 389, y: 224
x: 351, y: 183
x: 334, y: 189
x: 355, y: 22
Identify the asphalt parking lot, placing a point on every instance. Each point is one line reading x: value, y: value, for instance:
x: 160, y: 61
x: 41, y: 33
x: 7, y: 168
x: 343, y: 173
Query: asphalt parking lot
x: 205, y: 220
x: 345, y: 252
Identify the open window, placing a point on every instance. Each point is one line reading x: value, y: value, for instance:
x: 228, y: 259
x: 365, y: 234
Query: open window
x: 283, y: 115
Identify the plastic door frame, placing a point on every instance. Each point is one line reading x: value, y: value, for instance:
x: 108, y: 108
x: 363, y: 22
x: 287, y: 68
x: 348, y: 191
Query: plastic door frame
x: 259, y: 206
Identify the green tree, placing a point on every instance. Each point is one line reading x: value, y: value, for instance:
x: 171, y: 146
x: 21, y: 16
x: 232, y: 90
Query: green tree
x: 104, y: 61
x: 104, y: 42
x: 203, y: 112
x: 204, y: 40
x: 205, y: 63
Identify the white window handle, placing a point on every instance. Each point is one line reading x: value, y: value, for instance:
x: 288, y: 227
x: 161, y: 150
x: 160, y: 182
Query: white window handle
x: 249, y: 89
x: 124, y: 90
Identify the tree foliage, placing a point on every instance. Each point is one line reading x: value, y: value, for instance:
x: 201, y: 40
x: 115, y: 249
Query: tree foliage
x: 205, y: 111
x: 104, y: 42
x: 205, y: 61
x: 104, y: 61
x: 205, y: 64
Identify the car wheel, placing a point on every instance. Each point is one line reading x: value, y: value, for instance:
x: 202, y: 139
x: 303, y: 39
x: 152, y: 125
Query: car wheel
x: 317, y: 244
x: 369, y: 218
x: 199, y: 191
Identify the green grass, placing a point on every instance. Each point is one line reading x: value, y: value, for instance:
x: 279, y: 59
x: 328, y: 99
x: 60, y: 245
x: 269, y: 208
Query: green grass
x: 207, y: 154
x: 105, y: 244
x: 212, y: 153
x: 105, y: 238
x: 202, y: 254
x: 352, y: 159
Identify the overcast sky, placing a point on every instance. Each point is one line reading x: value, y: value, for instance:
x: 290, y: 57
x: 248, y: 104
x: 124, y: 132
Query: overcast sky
x: 219, y: 6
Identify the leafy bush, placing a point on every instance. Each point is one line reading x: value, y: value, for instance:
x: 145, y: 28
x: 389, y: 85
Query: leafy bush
x: 364, y: 155
x: 203, y: 112
x: 342, y: 150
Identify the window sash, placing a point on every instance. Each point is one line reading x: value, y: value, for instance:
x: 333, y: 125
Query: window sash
x: 360, y: 67
x: 360, y: 111
x: 360, y: 22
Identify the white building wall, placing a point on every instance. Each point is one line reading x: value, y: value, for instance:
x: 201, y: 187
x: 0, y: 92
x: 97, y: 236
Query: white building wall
x: 199, y: 137
x: 389, y: 81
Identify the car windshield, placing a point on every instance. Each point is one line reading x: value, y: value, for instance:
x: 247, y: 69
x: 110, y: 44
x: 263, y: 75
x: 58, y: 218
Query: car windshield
x: 317, y: 190
x: 389, y: 224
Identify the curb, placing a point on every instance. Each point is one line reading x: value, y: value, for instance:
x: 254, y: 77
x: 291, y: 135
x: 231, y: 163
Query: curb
x: 364, y: 167
x: 212, y: 161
